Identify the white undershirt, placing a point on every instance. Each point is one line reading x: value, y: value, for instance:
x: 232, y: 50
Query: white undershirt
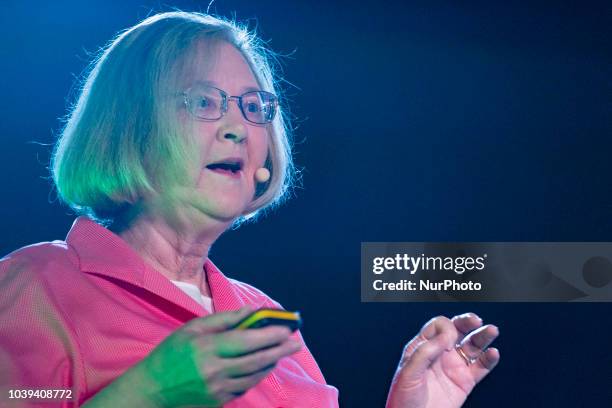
x: 194, y: 292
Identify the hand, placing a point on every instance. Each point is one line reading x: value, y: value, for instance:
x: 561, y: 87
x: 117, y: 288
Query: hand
x: 432, y: 374
x: 204, y: 363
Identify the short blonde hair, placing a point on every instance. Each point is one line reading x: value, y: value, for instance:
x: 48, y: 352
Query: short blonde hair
x: 119, y: 144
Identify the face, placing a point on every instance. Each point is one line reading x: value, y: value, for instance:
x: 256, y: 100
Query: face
x: 220, y: 193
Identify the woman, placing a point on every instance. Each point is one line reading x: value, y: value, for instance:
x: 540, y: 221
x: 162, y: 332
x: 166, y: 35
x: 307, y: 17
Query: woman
x: 177, y: 135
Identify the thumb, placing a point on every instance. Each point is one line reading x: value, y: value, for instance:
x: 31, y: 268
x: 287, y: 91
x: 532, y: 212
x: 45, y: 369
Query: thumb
x: 425, y: 354
x: 218, y: 322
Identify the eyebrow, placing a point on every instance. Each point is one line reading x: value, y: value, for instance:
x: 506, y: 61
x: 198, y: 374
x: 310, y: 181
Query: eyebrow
x: 213, y: 83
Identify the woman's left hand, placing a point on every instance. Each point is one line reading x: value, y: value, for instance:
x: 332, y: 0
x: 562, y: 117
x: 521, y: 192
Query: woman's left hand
x: 432, y: 374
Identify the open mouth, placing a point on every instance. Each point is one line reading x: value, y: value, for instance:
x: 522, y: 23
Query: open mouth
x: 228, y: 167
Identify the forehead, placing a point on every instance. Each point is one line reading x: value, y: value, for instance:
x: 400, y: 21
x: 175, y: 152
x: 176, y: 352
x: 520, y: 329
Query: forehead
x: 220, y: 64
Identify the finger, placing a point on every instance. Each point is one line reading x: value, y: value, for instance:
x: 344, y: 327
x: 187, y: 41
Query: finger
x: 485, y: 363
x: 474, y: 343
x: 465, y: 323
x: 429, y: 330
x: 260, y: 360
x: 437, y: 335
x: 235, y: 343
x: 425, y: 354
x: 411, y: 346
x: 240, y: 385
x: 217, y: 322
x: 443, y: 327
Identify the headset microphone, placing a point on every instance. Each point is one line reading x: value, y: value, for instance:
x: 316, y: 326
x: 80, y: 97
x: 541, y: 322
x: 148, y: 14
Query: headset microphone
x: 262, y: 175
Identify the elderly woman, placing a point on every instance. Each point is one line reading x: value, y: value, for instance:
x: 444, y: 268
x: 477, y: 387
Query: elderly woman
x: 177, y: 135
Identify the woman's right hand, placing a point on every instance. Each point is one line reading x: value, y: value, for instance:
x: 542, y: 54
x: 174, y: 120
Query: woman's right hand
x: 205, y: 363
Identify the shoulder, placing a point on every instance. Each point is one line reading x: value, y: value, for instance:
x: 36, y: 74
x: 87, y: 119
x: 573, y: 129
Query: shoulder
x: 254, y: 296
x: 33, y: 322
x: 38, y: 260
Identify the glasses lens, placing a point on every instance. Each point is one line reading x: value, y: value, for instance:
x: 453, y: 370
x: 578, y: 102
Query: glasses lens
x: 259, y: 107
x: 205, y: 102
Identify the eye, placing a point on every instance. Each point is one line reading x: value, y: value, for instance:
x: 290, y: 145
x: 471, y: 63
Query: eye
x: 203, y: 102
x: 205, y: 106
x: 252, y: 107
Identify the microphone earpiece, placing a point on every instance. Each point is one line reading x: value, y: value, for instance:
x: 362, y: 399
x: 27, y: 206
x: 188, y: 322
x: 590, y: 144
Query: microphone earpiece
x: 262, y: 175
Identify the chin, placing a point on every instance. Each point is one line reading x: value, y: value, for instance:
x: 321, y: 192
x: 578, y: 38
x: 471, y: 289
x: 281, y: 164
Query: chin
x: 224, y: 214
x: 226, y: 210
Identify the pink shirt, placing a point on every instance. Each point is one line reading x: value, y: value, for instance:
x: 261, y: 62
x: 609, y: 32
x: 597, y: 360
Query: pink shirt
x: 78, y: 313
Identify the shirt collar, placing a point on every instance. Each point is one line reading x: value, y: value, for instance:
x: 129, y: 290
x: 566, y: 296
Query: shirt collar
x: 103, y: 252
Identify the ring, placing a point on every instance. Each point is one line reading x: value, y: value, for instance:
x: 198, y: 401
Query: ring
x: 468, y: 360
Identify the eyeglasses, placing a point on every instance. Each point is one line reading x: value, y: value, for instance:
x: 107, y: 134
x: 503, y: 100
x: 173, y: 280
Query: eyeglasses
x: 209, y: 103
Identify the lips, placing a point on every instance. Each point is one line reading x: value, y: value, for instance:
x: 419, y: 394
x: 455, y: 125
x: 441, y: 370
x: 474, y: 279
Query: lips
x: 231, y: 166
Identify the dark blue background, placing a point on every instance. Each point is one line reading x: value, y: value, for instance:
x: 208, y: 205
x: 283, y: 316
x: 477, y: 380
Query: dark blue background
x: 453, y: 121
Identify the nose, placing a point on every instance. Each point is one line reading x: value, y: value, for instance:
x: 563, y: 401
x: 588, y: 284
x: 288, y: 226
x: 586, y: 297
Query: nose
x: 235, y: 135
x: 232, y: 127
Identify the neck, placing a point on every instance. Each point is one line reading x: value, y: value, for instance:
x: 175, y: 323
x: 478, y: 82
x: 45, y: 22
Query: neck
x: 176, y: 250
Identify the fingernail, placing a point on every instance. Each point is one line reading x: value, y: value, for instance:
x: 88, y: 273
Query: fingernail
x: 432, y: 332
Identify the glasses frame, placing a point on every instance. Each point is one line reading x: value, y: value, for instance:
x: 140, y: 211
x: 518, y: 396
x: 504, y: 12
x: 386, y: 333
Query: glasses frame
x: 225, y: 98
